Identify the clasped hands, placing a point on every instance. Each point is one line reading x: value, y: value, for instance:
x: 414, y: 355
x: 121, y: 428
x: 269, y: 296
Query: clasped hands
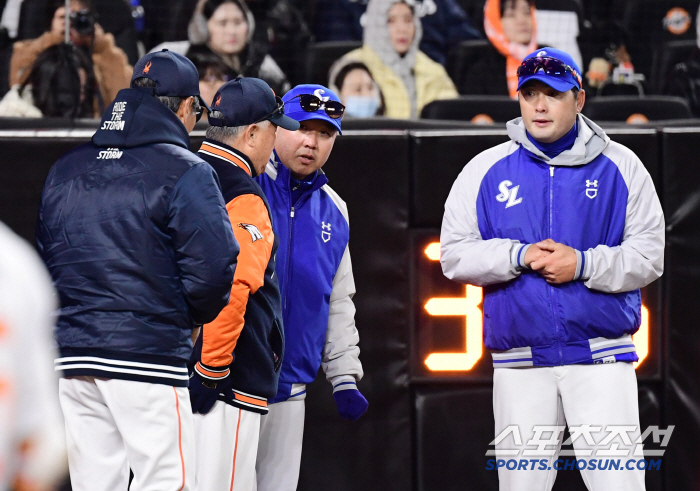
x: 554, y: 261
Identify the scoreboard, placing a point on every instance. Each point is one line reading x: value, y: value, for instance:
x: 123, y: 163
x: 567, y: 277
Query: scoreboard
x: 448, y: 323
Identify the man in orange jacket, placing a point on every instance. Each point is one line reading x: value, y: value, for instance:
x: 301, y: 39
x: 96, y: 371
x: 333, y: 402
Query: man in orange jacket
x: 237, y: 357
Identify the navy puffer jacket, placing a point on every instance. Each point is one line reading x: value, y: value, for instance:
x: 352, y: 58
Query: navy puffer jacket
x: 135, y: 233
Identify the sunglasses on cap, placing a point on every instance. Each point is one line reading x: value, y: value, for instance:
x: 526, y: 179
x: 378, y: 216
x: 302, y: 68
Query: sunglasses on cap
x: 310, y: 103
x: 279, y: 109
x: 548, y: 66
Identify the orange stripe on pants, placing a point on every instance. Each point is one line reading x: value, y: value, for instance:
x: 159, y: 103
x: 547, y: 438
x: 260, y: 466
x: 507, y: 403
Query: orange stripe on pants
x: 235, y: 450
x: 179, y: 437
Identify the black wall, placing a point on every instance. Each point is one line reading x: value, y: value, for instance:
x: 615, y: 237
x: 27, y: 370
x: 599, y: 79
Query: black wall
x: 431, y: 433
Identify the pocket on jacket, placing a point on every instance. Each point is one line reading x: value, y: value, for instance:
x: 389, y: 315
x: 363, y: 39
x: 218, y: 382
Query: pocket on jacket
x: 277, y: 343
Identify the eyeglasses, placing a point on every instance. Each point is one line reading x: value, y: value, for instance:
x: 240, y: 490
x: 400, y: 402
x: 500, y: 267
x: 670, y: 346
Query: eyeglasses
x: 197, y: 108
x: 279, y: 109
x: 550, y: 66
x: 310, y: 103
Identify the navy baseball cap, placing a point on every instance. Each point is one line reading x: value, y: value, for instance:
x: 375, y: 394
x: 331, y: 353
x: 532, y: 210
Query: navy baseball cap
x: 292, y: 104
x: 174, y: 74
x: 246, y: 100
x: 552, y: 66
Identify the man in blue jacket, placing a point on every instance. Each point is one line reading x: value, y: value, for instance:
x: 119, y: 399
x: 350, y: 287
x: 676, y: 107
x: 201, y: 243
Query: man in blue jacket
x: 134, y: 231
x: 562, y: 227
x: 316, y: 282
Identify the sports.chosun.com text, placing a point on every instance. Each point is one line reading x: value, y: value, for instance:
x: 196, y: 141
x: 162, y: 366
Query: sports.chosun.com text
x: 574, y: 464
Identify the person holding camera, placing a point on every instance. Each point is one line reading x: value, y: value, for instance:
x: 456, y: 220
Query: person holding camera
x: 110, y: 64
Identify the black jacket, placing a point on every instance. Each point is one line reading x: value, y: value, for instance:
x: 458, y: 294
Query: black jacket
x: 247, y: 336
x: 487, y: 76
x: 134, y: 231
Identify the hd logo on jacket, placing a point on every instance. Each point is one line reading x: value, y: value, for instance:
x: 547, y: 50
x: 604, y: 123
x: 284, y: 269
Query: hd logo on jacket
x: 325, y: 231
x: 591, y: 188
x: 252, y: 230
x: 509, y: 194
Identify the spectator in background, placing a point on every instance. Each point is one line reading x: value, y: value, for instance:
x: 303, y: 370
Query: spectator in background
x: 212, y: 75
x: 225, y: 28
x: 356, y: 88
x: 444, y: 22
x: 61, y: 85
x: 610, y: 70
x: 511, y: 28
x: 283, y: 29
x: 111, y: 67
x: 32, y: 441
x: 406, y: 76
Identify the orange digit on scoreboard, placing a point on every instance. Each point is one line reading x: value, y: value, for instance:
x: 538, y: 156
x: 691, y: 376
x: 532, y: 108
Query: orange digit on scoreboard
x: 468, y: 307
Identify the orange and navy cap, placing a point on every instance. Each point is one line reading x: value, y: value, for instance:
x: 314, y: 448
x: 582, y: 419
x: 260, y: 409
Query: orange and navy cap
x: 174, y: 74
x: 247, y: 100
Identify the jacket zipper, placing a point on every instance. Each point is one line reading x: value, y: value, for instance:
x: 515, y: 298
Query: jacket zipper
x: 288, y: 265
x: 551, y: 235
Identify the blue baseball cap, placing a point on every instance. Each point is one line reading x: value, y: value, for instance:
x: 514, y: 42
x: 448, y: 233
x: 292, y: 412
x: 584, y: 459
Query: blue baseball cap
x: 174, y: 74
x: 244, y: 101
x: 292, y: 104
x: 552, y: 66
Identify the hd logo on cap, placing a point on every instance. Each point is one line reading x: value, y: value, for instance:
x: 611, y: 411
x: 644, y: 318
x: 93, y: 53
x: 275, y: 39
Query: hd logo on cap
x: 147, y: 68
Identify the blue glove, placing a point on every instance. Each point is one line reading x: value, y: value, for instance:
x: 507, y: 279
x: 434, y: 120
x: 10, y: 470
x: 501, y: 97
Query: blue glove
x: 205, y: 392
x: 351, y: 403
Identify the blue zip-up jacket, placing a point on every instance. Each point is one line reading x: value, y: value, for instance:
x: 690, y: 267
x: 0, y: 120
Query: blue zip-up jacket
x: 316, y: 282
x: 134, y: 231
x: 597, y: 198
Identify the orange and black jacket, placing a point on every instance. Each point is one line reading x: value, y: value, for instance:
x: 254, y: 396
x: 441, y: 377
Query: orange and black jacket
x: 246, y: 341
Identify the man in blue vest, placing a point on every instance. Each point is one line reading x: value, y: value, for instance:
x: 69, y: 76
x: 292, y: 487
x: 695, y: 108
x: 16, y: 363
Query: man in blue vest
x: 316, y: 282
x: 562, y: 227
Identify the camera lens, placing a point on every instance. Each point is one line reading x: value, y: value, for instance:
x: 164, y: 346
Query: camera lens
x: 83, y: 21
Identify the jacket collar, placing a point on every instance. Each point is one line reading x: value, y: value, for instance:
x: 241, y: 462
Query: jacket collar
x: 227, y: 153
x: 590, y: 142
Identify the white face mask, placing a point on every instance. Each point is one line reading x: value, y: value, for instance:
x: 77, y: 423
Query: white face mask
x: 361, y: 106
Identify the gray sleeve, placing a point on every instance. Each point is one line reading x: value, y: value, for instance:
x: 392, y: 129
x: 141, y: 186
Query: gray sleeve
x: 465, y: 257
x: 639, y: 260
x: 341, y: 355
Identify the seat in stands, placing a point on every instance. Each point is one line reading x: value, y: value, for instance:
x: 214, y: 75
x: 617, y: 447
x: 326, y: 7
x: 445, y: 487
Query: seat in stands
x: 637, y: 109
x: 476, y: 109
x: 320, y: 56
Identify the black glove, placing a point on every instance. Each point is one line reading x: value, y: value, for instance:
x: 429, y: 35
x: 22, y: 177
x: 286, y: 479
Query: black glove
x: 205, y: 392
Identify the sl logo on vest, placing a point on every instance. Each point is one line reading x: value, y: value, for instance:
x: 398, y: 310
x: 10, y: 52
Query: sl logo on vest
x: 508, y: 194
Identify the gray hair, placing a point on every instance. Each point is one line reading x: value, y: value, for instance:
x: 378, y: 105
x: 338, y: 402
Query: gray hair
x: 227, y: 134
x: 171, y: 102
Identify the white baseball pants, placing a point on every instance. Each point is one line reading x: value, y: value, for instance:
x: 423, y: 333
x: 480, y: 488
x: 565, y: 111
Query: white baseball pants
x: 596, y: 395
x: 227, y: 444
x: 279, y: 450
x: 113, y: 425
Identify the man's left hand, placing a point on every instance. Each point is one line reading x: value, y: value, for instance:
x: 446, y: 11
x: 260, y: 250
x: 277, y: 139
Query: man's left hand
x: 559, y: 266
x: 351, y: 404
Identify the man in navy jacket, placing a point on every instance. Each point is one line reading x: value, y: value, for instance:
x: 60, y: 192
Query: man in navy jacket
x: 316, y: 282
x: 134, y: 231
x: 562, y: 227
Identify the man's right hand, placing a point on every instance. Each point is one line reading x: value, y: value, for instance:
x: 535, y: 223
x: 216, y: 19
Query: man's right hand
x: 535, y: 253
x: 204, y: 393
